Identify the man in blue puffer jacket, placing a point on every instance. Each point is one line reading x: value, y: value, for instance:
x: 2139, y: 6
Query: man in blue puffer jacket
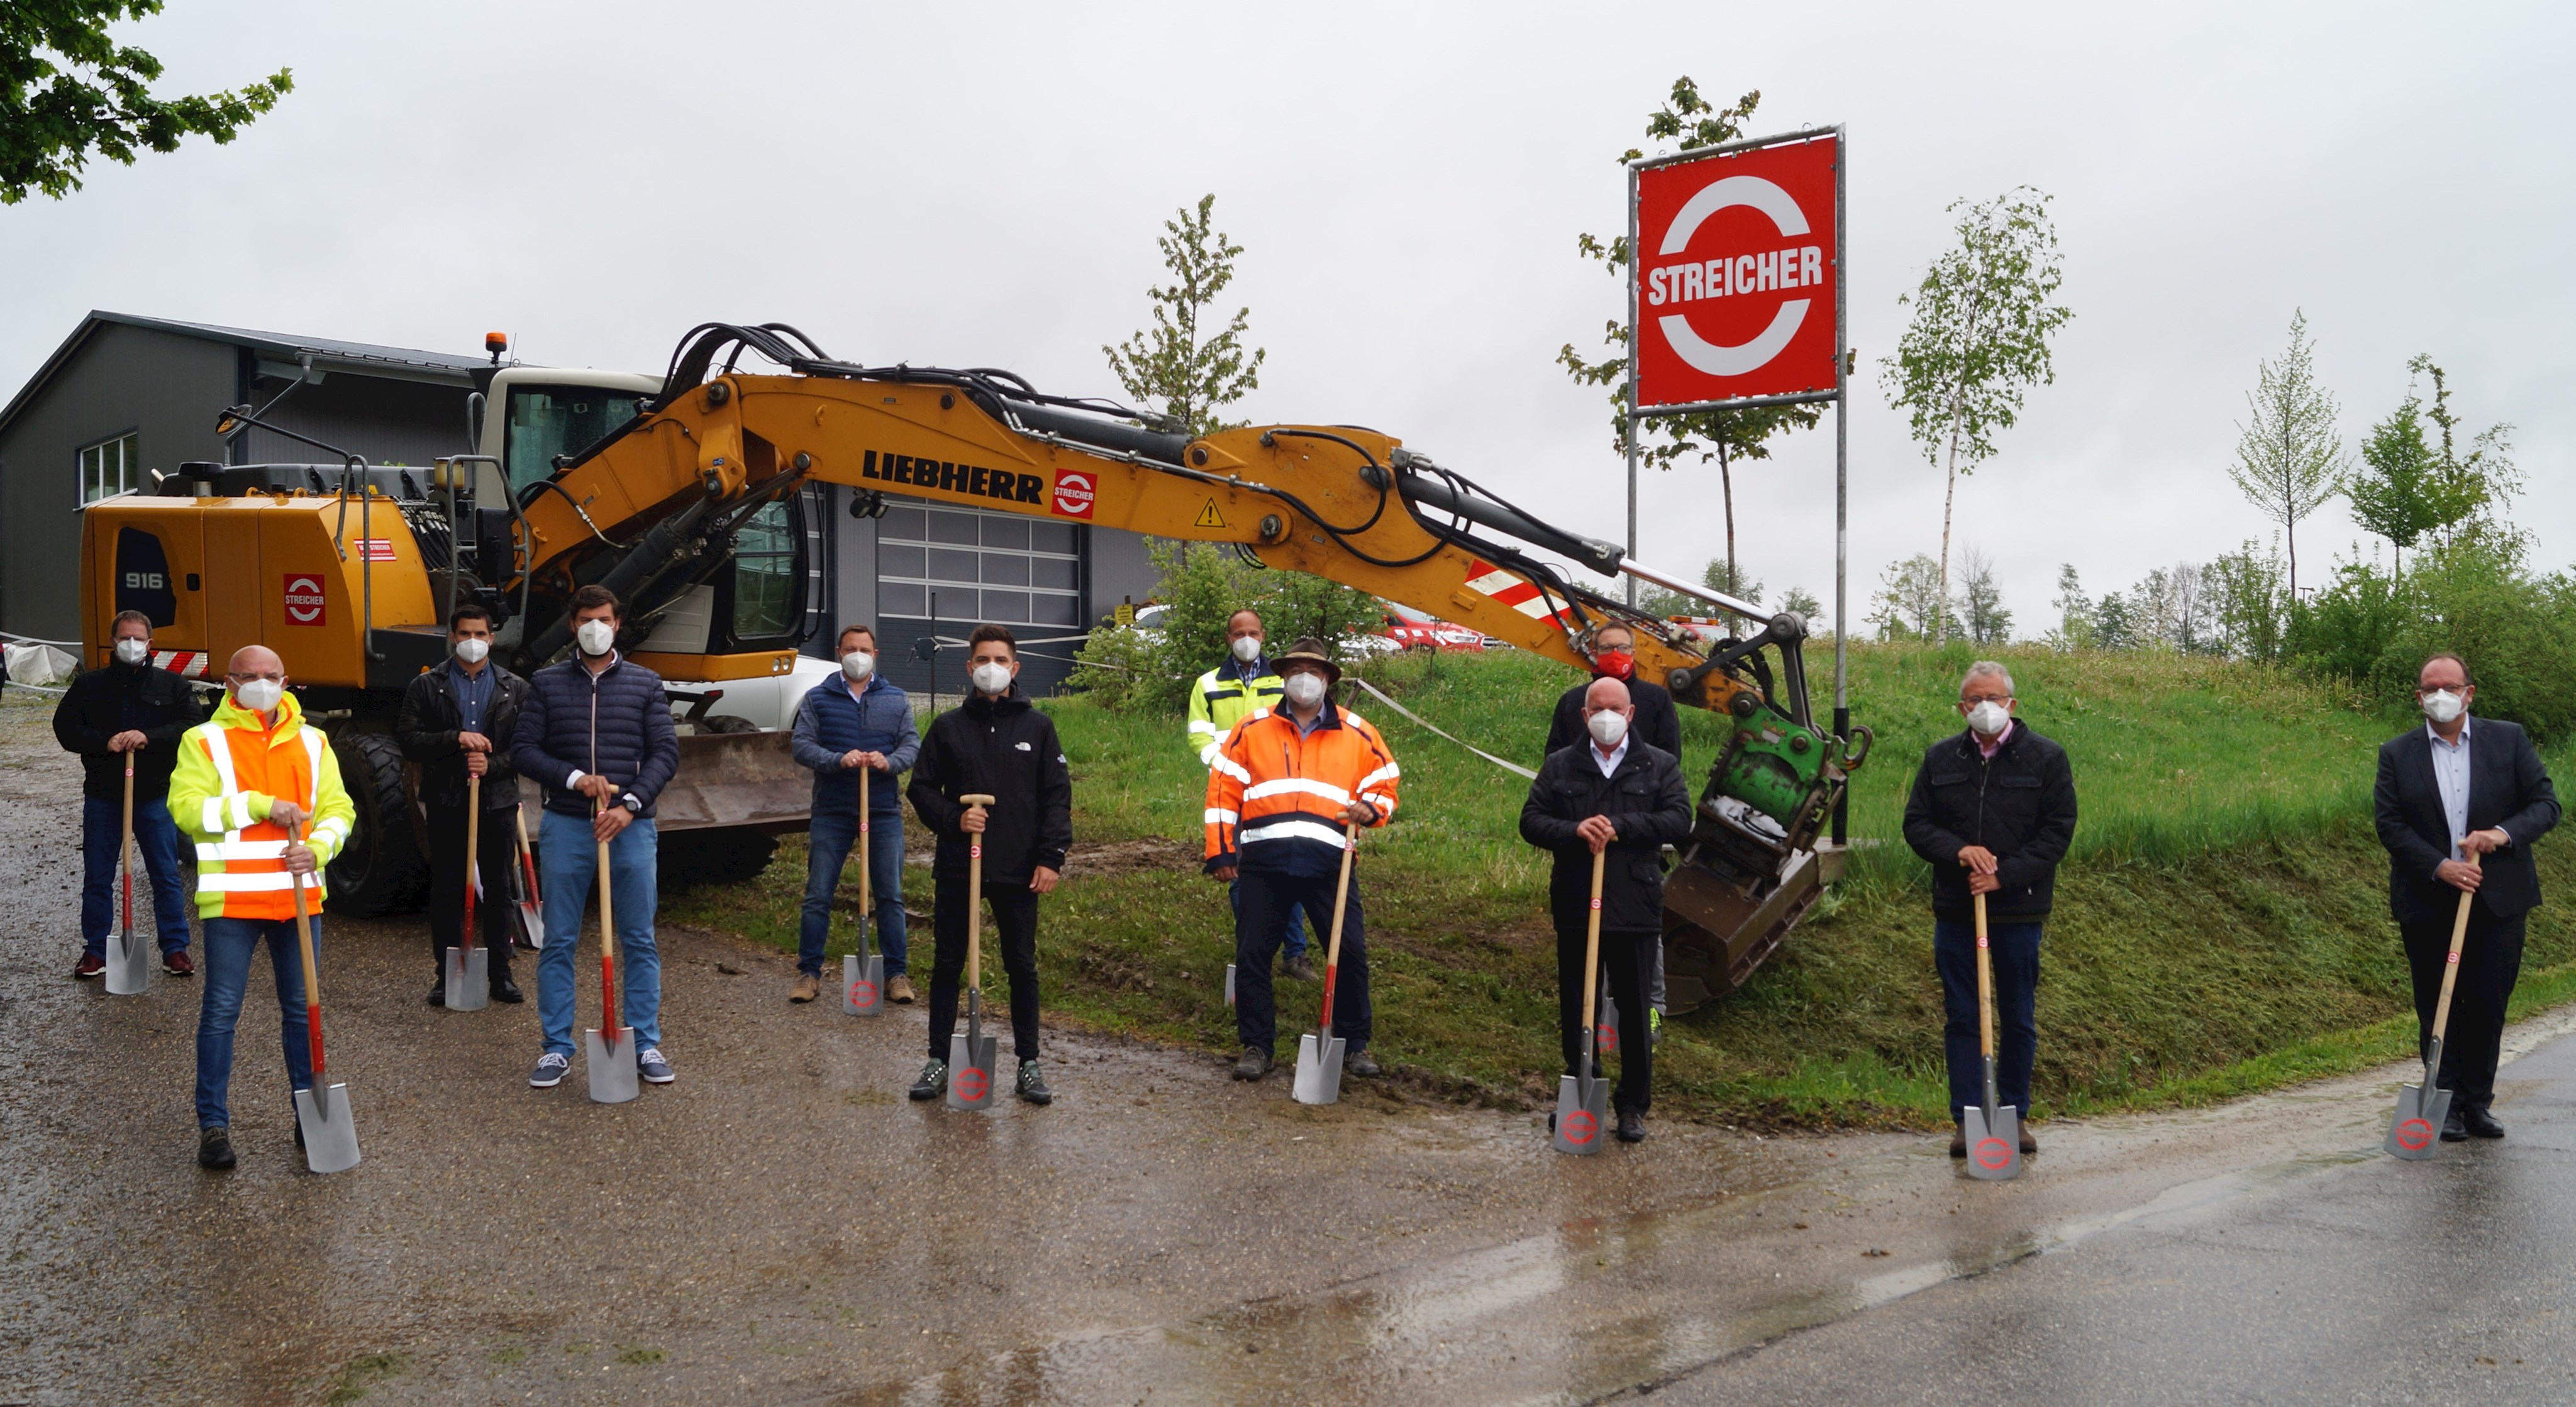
x: 857, y: 722
x: 596, y: 730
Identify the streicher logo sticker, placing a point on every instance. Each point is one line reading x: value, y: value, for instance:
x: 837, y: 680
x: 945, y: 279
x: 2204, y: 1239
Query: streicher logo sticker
x: 1735, y: 275
x: 304, y: 599
x: 1075, y: 491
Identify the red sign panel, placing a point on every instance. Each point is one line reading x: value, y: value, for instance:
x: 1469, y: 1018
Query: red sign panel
x: 1735, y: 272
x: 1075, y: 490
x: 304, y: 598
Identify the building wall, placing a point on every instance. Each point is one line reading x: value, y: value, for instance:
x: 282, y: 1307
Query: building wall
x: 164, y: 388
x: 383, y: 420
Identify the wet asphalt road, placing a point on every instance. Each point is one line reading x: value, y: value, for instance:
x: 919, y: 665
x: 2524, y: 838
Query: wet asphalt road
x: 782, y: 1226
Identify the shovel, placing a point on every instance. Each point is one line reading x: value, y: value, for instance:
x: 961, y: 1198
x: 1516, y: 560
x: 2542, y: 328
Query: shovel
x: 1994, y: 1132
x: 1319, y: 1051
x: 863, y: 972
x: 1583, y: 1101
x: 532, y: 908
x: 321, y: 1112
x: 469, y: 963
x: 609, y: 1051
x: 129, y: 969
x: 2422, y: 1109
x: 970, y: 1052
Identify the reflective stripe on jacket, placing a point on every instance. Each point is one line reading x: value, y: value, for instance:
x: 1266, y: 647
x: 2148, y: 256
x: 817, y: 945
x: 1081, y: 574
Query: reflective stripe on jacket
x: 230, y: 771
x: 1274, y: 792
x: 1222, y: 698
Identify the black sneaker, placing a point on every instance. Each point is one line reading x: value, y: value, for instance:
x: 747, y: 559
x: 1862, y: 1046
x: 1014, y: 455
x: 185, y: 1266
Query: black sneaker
x: 215, y: 1148
x: 933, y: 1082
x: 1254, y: 1064
x: 1362, y: 1064
x: 438, y: 992
x: 505, y: 990
x: 1033, y: 1086
x: 1632, y: 1126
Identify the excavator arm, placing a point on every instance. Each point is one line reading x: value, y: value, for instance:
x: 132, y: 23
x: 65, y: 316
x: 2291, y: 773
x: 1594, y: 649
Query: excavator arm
x: 650, y: 509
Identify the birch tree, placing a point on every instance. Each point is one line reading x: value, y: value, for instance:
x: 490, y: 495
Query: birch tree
x: 1983, y: 316
x: 2289, y: 457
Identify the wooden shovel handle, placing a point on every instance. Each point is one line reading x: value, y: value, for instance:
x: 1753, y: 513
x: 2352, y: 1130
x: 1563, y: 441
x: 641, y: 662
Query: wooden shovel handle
x: 1333, y: 945
x: 975, y: 896
x: 2451, y: 964
x: 312, y: 973
x: 867, y: 901
x: 1592, y: 945
x: 607, y: 944
x: 1985, y: 986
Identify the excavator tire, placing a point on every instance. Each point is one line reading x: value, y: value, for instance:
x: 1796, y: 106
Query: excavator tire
x: 690, y: 858
x: 381, y: 870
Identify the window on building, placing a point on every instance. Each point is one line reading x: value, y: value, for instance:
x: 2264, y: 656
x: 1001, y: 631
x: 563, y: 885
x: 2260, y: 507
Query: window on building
x: 996, y: 567
x: 109, y: 467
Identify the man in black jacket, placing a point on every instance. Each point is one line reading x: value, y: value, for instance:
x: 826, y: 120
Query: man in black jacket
x: 1619, y: 793
x: 2446, y: 792
x: 128, y: 707
x: 1614, y: 656
x: 457, y: 722
x: 1993, y: 810
x: 996, y: 744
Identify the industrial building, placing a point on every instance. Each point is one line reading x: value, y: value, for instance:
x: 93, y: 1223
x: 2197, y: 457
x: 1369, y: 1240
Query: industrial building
x: 126, y: 395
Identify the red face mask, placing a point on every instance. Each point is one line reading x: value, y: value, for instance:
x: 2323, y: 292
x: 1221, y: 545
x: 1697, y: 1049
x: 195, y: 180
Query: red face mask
x: 1614, y: 664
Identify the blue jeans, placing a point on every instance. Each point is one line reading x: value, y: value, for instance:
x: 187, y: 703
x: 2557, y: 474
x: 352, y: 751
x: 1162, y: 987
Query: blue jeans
x: 568, y: 859
x: 156, y: 839
x: 2014, y: 952
x: 828, y: 842
x: 1294, y: 945
x: 229, y: 942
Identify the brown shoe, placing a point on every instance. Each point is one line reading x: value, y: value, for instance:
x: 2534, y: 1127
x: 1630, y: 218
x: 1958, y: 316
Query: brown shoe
x: 808, y: 987
x: 1959, y: 1141
x: 899, y: 990
x: 2028, y: 1143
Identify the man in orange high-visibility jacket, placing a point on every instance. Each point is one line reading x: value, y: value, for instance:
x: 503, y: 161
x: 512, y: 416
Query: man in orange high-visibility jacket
x: 1281, y: 788
x: 246, y: 780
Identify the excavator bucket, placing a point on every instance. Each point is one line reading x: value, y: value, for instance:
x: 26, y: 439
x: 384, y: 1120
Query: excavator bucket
x: 1716, y: 933
x: 731, y: 780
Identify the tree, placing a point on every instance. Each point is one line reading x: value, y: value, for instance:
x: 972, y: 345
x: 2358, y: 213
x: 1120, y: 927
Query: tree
x: 1804, y: 602
x: 68, y: 89
x: 1981, y: 600
x: 1908, y: 605
x: 2393, y: 493
x: 2074, y: 611
x: 1688, y: 120
x: 2248, y: 606
x: 1193, y: 373
x: 2289, y: 459
x: 1982, y: 320
x: 2466, y: 486
x: 2113, y: 625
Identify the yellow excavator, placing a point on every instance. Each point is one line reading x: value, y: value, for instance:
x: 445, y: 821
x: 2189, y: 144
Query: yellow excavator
x: 349, y: 574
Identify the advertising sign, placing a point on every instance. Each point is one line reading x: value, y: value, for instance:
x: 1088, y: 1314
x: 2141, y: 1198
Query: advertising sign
x: 1736, y: 277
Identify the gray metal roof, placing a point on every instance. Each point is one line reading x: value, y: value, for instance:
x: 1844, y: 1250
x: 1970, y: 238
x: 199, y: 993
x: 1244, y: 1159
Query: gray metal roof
x: 327, y: 352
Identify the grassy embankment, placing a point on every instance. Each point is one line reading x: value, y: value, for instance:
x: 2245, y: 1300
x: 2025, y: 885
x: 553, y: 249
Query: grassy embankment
x: 2222, y: 926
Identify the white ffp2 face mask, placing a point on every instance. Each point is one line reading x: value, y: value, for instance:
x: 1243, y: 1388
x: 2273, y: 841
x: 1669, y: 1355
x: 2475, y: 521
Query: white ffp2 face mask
x: 858, y: 664
x: 992, y: 678
x: 2442, y: 705
x: 1247, y: 648
x: 1305, y: 688
x: 596, y: 636
x: 1607, y: 727
x: 473, y: 651
x: 259, y: 695
x: 1989, y: 717
x: 133, y: 651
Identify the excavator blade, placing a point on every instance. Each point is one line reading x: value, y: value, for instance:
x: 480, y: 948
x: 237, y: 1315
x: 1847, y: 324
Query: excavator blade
x: 736, y: 779
x: 1715, y: 934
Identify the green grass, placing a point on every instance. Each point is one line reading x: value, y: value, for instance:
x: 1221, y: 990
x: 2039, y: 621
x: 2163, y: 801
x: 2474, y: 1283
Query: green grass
x: 2221, y: 927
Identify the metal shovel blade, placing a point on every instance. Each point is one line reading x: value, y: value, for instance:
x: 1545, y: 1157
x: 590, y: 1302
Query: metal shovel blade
x: 129, y: 965
x: 1229, y: 984
x: 1607, y: 1023
x: 531, y: 926
x: 1582, y: 1110
x: 1319, y: 1071
x: 1994, y: 1142
x: 613, y: 1076
x: 2416, y: 1131
x: 469, y: 979
x: 970, y: 1070
x: 330, y: 1133
x: 863, y: 984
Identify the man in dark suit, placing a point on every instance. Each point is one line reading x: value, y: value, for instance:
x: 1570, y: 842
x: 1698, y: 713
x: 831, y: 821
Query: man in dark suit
x: 1613, y: 791
x: 2448, y: 791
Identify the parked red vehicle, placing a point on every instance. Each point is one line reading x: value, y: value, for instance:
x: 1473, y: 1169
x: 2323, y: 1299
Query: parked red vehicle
x: 1412, y: 630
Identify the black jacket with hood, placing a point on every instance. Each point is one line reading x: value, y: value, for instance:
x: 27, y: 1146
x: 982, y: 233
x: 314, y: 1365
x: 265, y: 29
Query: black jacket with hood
x: 1006, y: 749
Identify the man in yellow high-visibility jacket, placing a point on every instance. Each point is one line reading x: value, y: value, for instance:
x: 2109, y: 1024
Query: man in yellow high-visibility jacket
x: 245, y: 782
x: 1224, y: 696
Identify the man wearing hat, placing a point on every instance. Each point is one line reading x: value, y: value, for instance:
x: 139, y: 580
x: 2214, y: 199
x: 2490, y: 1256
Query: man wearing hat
x: 1284, y: 787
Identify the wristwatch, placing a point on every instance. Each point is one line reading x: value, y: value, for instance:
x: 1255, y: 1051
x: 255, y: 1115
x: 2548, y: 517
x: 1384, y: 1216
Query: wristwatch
x: 631, y: 804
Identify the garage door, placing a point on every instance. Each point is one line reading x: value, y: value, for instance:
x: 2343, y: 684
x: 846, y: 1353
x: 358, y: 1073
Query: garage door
x: 943, y: 571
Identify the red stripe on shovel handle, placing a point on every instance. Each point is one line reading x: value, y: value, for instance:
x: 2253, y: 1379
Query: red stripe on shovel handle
x: 313, y: 1037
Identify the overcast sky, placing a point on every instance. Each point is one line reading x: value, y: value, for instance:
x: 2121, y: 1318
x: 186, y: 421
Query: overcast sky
x: 983, y: 186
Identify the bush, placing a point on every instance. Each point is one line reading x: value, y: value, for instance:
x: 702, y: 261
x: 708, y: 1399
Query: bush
x: 1201, y: 588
